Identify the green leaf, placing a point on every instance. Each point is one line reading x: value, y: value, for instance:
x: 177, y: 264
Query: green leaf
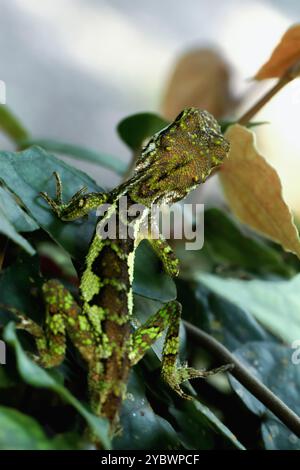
x: 31, y: 171
x: 21, y: 432
x: 216, y: 423
x: 197, y: 426
x: 225, y: 124
x: 35, y: 376
x: 276, y: 304
x: 194, y: 432
x: 134, y: 129
x: 16, y: 283
x: 228, y: 245
x: 13, y: 219
x: 227, y: 322
x: 15, y: 214
x: 7, y: 228
x: 142, y: 428
x: 11, y: 126
x: 149, y: 279
x: 272, y: 364
x: 79, y: 153
x: 59, y: 256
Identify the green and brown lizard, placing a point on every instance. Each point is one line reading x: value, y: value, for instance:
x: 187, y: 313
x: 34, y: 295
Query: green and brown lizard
x: 175, y: 161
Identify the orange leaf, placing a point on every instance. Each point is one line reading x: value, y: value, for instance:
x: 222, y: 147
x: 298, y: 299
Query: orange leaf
x: 254, y: 192
x: 200, y: 79
x: 284, y: 56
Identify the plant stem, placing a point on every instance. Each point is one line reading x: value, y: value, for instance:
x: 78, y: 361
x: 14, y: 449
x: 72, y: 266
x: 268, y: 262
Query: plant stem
x: 290, y: 74
x: 11, y: 125
x: 258, y: 389
x: 243, y: 120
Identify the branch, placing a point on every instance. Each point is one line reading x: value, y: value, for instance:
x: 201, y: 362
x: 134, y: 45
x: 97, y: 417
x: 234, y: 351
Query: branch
x: 243, y: 120
x: 258, y: 389
x: 289, y: 75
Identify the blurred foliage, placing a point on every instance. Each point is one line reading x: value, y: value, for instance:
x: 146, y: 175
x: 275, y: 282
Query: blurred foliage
x: 135, y: 129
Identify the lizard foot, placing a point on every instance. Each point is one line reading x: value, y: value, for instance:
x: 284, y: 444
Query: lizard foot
x: 182, y: 374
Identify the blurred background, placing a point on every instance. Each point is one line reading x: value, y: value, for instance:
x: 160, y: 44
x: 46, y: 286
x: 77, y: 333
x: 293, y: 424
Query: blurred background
x: 74, y: 68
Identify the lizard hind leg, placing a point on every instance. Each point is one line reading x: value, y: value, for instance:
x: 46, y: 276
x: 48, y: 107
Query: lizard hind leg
x: 168, y: 317
x: 49, y: 339
x: 62, y: 312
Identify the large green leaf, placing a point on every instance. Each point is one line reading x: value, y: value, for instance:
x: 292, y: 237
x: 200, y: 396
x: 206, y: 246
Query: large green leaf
x: 228, y: 323
x: 134, y: 129
x: 14, y: 213
x: 14, y: 435
x: 35, y: 376
x: 17, y: 282
x: 228, y: 245
x: 7, y: 229
x: 142, y: 428
x: 29, y: 172
x: 79, y: 153
x: 13, y: 219
x: 198, y: 424
x: 21, y: 432
x: 276, y: 304
x: 273, y: 365
x: 193, y: 430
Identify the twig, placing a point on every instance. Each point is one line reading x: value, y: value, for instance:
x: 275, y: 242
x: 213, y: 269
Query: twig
x: 290, y: 74
x: 259, y: 390
x: 243, y: 120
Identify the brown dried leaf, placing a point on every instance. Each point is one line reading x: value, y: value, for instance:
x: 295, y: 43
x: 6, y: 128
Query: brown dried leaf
x: 254, y: 192
x: 200, y: 79
x: 284, y: 56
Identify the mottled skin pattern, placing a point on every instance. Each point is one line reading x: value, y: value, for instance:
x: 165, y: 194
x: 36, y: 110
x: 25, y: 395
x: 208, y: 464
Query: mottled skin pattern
x: 174, y: 162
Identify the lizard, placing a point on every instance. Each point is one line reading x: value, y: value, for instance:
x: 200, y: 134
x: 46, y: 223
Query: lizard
x: 174, y: 162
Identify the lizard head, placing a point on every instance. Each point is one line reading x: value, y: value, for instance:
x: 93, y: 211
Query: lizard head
x: 179, y: 158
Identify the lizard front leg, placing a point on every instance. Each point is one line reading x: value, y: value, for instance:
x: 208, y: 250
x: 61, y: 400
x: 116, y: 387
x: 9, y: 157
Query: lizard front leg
x: 166, y: 255
x: 79, y: 205
x: 168, y: 317
x: 159, y: 244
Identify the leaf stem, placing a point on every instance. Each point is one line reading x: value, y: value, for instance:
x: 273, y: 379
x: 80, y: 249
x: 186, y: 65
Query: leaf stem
x: 251, y: 383
x: 11, y: 125
x: 290, y: 74
x: 243, y: 120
